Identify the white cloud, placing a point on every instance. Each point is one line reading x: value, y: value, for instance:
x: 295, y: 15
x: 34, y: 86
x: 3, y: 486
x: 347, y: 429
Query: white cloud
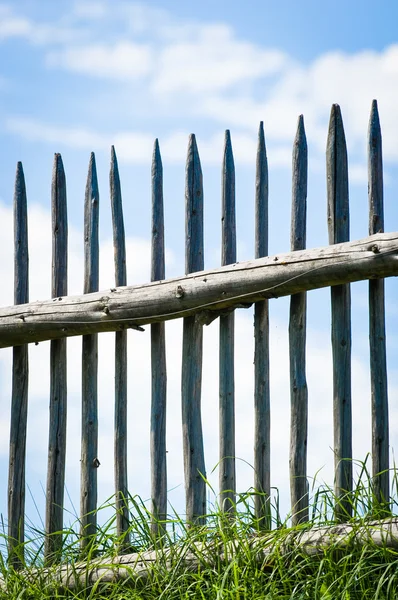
x: 351, y: 80
x: 14, y: 26
x: 203, y: 70
x: 214, y: 61
x: 124, y: 60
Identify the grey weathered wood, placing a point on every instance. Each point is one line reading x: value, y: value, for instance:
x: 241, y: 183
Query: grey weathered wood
x: 262, y: 411
x: 58, y: 371
x: 158, y: 358
x: 297, y: 338
x: 377, y: 327
x: 192, y: 346
x: 338, y: 225
x: 120, y: 439
x: 20, y: 376
x: 227, y: 468
x: 139, y: 566
x: 89, y: 449
x: 206, y: 294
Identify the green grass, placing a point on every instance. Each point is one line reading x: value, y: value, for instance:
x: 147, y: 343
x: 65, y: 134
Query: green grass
x: 286, y: 572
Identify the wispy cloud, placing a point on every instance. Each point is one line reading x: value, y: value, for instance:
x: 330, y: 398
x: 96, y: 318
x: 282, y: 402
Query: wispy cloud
x: 124, y: 60
x: 182, y: 69
x: 214, y: 60
x: 136, y: 147
x: 12, y: 25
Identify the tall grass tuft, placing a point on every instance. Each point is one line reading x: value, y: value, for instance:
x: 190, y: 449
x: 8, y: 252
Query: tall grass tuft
x: 227, y: 558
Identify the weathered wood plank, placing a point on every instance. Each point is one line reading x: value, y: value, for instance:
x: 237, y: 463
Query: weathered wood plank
x: 377, y: 327
x: 58, y: 371
x: 262, y: 411
x: 338, y: 225
x: 205, y: 293
x: 158, y: 358
x: 89, y: 448
x: 120, y: 436
x: 297, y: 338
x: 192, y: 346
x: 20, y: 377
x: 227, y: 468
x: 264, y: 547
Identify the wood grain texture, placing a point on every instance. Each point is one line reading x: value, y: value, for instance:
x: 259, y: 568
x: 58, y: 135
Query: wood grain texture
x: 338, y: 226
x: 58, y: 371
x: 158, y: 358
x: 120, y: 425
x: 297, y: 338
x: 227, y: 468
x: 377, y: 327
x: 89, y: 449
x: 20, y: 377
x: 202, y: 294
x: 262, y: 411
x: 192, y: 347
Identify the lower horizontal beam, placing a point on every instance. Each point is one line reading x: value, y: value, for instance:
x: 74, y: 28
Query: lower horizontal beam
x: 310, y: 541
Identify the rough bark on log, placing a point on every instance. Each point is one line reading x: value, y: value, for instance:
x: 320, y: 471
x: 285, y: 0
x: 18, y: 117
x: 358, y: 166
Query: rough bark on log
x: 204, y: 292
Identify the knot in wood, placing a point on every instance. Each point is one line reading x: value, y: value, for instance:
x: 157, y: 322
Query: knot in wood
x: 180, y: 292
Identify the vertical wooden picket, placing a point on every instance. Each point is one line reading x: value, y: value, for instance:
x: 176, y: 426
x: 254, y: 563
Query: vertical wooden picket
x: 192, y: 348
x: 297, y: 338
x: 58, y: 372
x: 262, y: 420
x: 338, y: 225
x: 89, y: 449
x: 20, y: 376
x: 158, y: 358
x: 227, y: 468
x: 120, y: 439
x: 377, y: 328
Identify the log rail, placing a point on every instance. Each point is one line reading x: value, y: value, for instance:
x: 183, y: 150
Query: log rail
x: 206, y: 294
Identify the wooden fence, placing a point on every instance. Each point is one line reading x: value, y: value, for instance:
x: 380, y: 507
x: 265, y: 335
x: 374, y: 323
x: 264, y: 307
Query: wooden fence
x: 199, y: 298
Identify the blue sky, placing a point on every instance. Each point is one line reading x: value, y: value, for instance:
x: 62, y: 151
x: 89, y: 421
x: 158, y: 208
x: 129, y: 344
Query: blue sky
x: 78, y: 77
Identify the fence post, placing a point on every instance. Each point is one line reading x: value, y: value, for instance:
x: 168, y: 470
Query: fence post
x: 297, y: 339
x: 377, y: 327
x: 120, y: 439
x: 339, y: 227
x: 58, y: 372
x: 20, y: 377
x: 227, y: 468
x: 192, y: 347
x: 158, y: 358
x: 262, y: 417
x: 89, y: 449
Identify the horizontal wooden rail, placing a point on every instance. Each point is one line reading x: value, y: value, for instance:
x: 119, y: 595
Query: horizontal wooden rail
x: 206, y: 294
x: 139, y: 566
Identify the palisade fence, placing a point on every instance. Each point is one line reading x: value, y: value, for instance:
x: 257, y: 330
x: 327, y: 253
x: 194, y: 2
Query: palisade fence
x: 200, y: 297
